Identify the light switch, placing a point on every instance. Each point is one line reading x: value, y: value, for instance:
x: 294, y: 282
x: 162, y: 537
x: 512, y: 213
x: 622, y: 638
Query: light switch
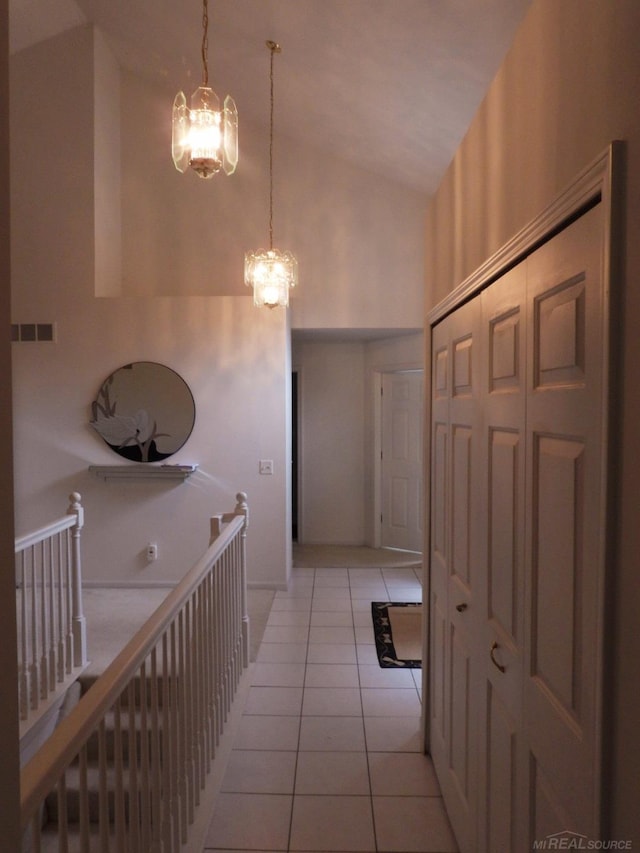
x: 266, y: 466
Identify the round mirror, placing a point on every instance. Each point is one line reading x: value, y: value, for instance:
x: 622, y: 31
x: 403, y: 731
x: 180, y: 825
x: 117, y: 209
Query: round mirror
x: 144, y: 411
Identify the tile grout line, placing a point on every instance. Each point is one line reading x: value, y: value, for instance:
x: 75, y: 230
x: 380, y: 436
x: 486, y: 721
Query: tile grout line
x: 304, y: 679
x: 364, y: 729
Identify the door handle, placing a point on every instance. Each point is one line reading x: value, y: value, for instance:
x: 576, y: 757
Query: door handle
x: 461, y: 607
x: 493, y: 659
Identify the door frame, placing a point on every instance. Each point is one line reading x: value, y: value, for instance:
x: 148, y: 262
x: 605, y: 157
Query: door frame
x: 297, y: 451
x: 600, y: 182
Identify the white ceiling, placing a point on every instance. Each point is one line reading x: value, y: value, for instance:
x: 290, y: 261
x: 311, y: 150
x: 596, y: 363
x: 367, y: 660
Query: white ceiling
x: 391, y: 84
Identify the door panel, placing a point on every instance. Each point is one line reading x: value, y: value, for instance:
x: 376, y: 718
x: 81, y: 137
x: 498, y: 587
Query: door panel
x: 460, y: 711
x: 501, y: 596
x: 501, y: 775
x: 440, y: 491
x: 505, y: 534
x: 438, y: 728
x: 548, y: 816
x: 557, y: 569
x: 461, y: 507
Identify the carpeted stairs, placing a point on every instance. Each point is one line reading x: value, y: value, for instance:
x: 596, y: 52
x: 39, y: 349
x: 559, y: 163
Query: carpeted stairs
x: 113, y: 744
x: 107, y: 636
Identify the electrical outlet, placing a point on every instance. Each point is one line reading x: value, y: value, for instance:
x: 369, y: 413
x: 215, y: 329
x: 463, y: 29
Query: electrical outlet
x: 266, y: 466
x: 152, y: 552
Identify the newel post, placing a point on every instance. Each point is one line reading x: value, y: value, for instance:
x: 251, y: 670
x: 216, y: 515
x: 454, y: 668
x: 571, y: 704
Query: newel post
x: 78, y: 622
x: 215, y: 523
x: 242, y: 508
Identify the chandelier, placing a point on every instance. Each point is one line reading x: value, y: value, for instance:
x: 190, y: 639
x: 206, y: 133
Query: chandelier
x: 270, y: 272
x: 204, y: 136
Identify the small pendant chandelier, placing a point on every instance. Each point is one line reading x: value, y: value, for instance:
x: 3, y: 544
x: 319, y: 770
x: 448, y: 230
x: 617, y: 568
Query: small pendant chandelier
x: 270, y: 272
x: 205, y: 137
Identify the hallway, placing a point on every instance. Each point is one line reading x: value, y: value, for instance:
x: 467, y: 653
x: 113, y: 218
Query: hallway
x: 328, y: 751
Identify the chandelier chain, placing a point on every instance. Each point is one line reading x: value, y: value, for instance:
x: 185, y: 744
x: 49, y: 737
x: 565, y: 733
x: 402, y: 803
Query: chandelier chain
x: 272, y: 48
x: 205, y: 42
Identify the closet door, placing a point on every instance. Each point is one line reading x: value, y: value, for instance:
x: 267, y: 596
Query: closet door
x: 456, y: 452
x: 518, y: 522
x: 566, y: 442
x: 501, y: 827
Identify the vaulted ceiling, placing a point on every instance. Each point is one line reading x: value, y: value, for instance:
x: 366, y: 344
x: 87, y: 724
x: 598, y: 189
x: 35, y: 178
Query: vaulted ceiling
x: 390, y: 84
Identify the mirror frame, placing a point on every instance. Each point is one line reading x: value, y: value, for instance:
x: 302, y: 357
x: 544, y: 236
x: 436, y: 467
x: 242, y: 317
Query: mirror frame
x: 135, y: 429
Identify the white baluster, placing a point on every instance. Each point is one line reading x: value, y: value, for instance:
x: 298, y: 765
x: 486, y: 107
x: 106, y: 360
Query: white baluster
x: 79, y: 622
x: 52, y: 668
x: 35, y: 663
x: 24, y: 663
x: 145, y: 767
x: 242, y: 508
x: 62, y: 662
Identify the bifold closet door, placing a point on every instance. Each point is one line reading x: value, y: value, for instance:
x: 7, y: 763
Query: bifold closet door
x: 455, y: 549
x: 501, y: 815
x: 566, y: 469
x: 518, y: 538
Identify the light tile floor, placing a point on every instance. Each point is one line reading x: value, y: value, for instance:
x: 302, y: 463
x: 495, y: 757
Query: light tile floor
x: 328, y: 756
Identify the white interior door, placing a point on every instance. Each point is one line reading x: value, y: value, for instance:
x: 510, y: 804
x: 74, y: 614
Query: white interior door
x: 401, y: 463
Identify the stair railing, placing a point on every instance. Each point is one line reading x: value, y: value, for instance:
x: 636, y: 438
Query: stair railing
x: 52, y: 638
x: 139, y: 745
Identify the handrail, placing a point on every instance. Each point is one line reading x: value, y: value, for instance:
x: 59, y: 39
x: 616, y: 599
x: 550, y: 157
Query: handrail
x: 36, y: 536
x: 52, y: 643
x: 42, y: 773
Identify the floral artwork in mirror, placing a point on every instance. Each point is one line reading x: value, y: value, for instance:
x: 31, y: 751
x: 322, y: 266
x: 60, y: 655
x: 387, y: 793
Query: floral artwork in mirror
x: 144, y: 411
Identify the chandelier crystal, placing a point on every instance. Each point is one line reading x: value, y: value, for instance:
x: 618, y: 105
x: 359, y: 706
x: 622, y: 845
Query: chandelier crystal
x: 205, y: 136
x: 271, y: 272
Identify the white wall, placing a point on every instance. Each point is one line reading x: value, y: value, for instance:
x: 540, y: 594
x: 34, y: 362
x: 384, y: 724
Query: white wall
x: 568, y: 86
x: 238, y: 383
x: 175, y: 294
x: 234, y: 358
x: 107, y: 162
x: 100, y: 211
x: 331, y: 387
x: 358, y: 237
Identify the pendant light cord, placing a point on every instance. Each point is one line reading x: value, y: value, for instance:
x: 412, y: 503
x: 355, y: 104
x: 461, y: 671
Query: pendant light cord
x: 205, y: 42
x: 272, y: 49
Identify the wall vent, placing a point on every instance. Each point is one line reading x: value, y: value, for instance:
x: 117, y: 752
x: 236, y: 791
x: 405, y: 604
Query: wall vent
x: 33, y: 333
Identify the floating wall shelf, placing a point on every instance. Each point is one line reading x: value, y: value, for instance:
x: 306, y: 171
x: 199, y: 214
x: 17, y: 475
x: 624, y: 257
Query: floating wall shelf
x: 143, y: 472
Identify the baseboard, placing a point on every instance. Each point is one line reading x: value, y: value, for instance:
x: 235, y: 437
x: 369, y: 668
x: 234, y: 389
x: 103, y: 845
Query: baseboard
x: 98, y: 584
x: 278, y: 586
x: 312, y: 543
